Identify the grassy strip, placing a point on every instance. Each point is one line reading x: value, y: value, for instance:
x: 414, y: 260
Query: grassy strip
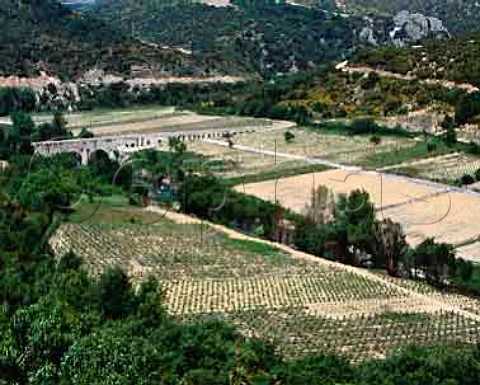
x: 403, y: 155
x: 342, y: 127
x: 275, y: 174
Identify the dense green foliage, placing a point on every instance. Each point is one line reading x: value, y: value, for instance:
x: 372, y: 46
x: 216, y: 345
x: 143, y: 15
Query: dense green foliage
x: 455, y: 59
x: 268, y: 36
x: 43, y: 35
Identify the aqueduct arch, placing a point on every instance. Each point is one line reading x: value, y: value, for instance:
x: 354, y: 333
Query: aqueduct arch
x: 116, y: 146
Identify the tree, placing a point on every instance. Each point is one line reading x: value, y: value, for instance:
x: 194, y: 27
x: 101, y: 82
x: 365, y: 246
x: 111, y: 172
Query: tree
x: 85, y: 133
x: 390, y: 245
x: 375, y: 139
x: 363, y: 126
x: 114, y: 293
x: 20, y: 137
x: 289, y: 136
x: 355, y: 218
x: 177, y: 145
x: 59, y: 126
x: 434, y: 259
x: 321, y: 208
x: 449, y: 126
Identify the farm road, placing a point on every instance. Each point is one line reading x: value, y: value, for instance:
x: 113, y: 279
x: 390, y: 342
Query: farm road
x: 427, y: 302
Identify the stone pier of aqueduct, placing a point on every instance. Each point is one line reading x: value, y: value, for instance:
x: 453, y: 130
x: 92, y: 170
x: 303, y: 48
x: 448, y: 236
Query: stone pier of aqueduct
x: 119, y: 146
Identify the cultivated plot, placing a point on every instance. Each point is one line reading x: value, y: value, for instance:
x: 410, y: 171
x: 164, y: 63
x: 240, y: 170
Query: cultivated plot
x: 351, y: 150
x: 155, y: 119
x: 306, y: 304
x: 424, y: 209
x: 237, y: 163
x: 447, y: 168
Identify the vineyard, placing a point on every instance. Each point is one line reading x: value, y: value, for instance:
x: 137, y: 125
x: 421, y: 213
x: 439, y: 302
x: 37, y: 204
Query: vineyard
x: 446, y: 169
x: 352, y: 150
x: 306, y: 304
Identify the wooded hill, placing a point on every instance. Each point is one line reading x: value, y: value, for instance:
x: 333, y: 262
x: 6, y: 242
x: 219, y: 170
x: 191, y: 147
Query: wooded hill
x: 267, y: 38
x: 456, y: 59
x: 44, y: 35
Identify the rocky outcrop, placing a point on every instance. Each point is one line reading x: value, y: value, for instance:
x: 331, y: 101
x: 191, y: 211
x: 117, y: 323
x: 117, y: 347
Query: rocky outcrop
x: 404, y: 28
x: 411, y: 27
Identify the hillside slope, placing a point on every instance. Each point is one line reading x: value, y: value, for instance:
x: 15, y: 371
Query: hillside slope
x: 269, y: 36
x: 457, y: 59
x: 459, y: 15
x: 44, y: 35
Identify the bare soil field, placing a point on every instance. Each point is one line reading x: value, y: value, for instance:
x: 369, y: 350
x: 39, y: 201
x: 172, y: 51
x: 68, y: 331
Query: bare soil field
x: 385, y: 191
x: 451, y: 217
x: 351, y: 150
x: 470, y: 252
x: 423, y: 210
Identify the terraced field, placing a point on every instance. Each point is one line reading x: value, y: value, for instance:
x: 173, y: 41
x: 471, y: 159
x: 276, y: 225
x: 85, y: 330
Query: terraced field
x: 306, y: 304
x: 239, y: 163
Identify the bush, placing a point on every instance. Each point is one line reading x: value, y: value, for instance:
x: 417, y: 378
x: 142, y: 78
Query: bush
x: 466, y: 179
x: 289, y: 136
x: 362, y: 126
x: 432, y: 145
x: 375, y: 139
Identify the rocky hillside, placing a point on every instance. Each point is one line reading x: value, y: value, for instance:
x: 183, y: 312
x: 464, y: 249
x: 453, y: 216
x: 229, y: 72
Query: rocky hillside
x: 269, y: 36
x: 458, y: 16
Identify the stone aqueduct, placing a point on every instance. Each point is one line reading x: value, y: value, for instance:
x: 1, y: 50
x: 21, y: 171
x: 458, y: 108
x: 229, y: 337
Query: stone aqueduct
x: 118, y: 147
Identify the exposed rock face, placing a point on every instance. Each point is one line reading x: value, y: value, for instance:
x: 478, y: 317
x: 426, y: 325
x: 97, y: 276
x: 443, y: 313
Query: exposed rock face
x: 404, y: 28
x: 367, y: 35
x: 415, y: 26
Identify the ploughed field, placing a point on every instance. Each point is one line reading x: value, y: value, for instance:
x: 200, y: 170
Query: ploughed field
x: 305, y: 303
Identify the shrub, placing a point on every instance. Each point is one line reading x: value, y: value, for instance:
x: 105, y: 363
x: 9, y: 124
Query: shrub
x: 466, y: 179
x: 289, y: 136
x: 362, y: 126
